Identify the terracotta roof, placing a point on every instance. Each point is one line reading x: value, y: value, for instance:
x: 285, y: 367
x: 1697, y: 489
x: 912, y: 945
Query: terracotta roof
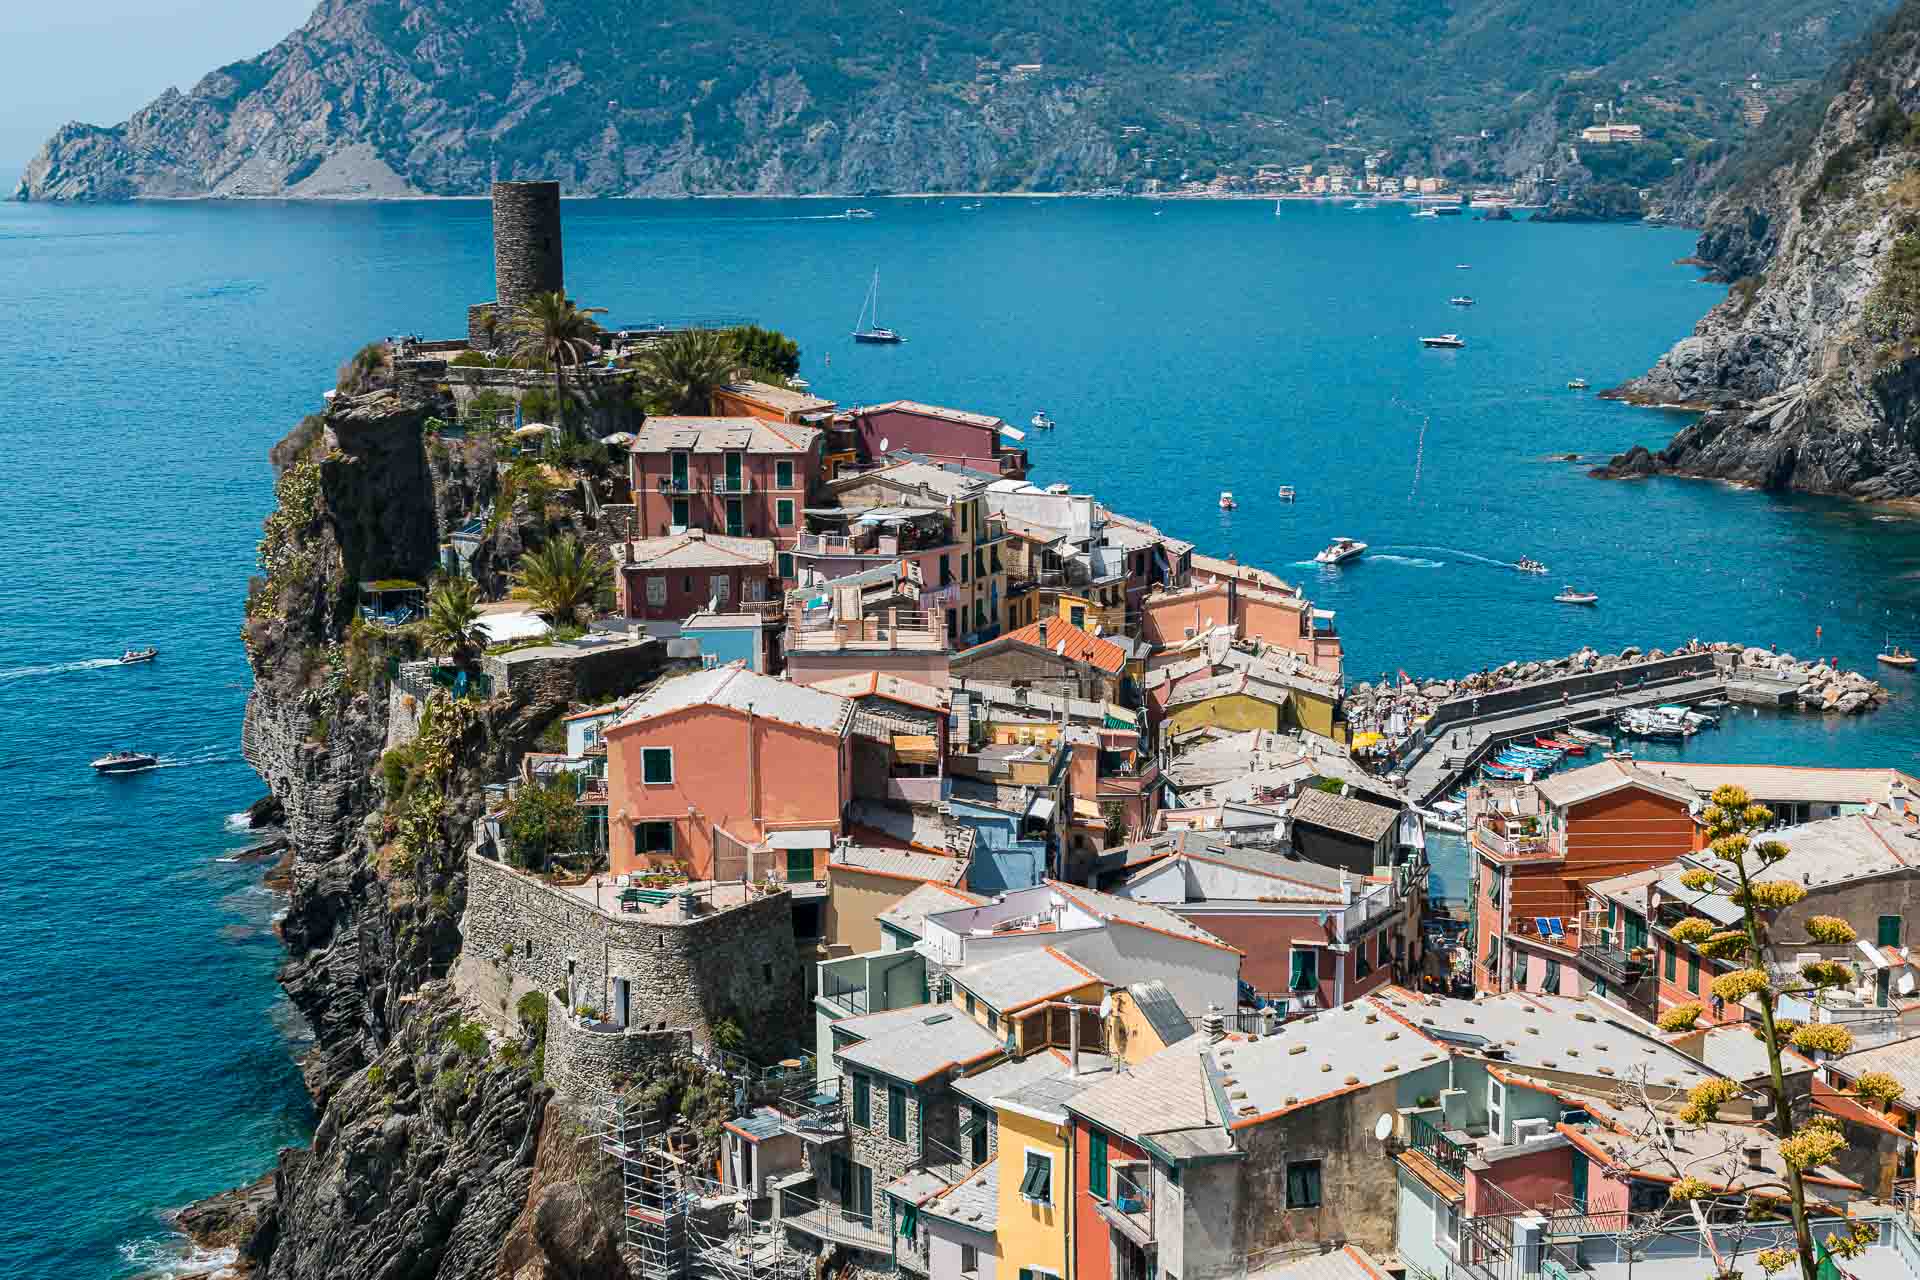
x: 1359, y: 818
x: 1596, y: 780
x: 1064, y: 639
x: 878, y: 684
x: 698, y: 549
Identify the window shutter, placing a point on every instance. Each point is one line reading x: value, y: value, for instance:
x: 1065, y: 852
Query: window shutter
x: 1097, y: 1165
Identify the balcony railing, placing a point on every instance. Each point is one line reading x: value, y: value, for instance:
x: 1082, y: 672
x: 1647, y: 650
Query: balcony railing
x: 1448, y: 1156
x: 1510, y: 846
x: 851, y: 996
x: 679, y: 486
x: 733, y: 486
x: 1619, y: 968
x: 1375, y: 904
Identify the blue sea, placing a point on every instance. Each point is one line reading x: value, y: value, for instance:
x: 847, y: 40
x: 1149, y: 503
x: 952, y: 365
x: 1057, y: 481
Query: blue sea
x: 146, y: 1056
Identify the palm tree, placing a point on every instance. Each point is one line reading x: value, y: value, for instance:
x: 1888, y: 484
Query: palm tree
x: 561, y: 578
x: 547, y: 327
x: 679, y: 374
x: 453, y: 620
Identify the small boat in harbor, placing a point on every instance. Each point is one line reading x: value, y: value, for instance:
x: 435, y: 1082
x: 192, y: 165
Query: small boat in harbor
x: 1526, y: 564
x: 871, y: 330
x: 1460, y: 300
x: 1340, y: 550
x: 1463, y: 266
x: 125, y: 762
x: 1286, y: 493
x: 1040, y: 421
x: 1569, y: 595
x: 1895, y: 656
x: 132, y: 656
x: 1226, y: 500
x: 856, y: 215
x: 1444, y: 340
x: 1576, y: 384
x: 1426, y: 213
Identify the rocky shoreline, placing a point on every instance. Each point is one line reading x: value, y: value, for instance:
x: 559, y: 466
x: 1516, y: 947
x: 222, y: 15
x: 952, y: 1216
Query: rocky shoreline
x: 1821, y: 687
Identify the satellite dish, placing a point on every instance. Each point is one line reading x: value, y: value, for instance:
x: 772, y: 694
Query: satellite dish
x: 883, y: 444
x: 1106, y: 1005
x: 1383, y: 1127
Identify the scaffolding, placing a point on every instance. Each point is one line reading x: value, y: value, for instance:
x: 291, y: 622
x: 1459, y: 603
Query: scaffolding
x: 677, y: 1224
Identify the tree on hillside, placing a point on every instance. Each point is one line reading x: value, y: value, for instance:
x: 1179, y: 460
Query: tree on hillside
x: 679, y: 374
x: 547, y: 329
x: 768, y: 352
x: 1733, y: 820
x: 561, y: 579
x: 453, y: 621
x: 542, y: 819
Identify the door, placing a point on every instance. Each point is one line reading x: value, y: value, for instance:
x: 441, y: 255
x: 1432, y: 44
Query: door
x: 799, y: 866
x: 733, y: 473
x: 862, y: 1207
x: 680, y: 472
x: 736, y: 519
x: 620, y: 1002
x: 1579, y: 1181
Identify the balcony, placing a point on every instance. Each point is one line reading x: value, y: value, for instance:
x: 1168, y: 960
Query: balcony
x: 733, y: 486
x: 1512, y: 845
x: 1130, y: 1211
x: 679, y: 486
x: 894, y: 629
x: 1620, y: 968
x: 850, y: 996
x: 1445, y: 1153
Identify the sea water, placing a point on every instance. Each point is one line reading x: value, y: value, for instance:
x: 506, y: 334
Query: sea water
x: 146, y: 1056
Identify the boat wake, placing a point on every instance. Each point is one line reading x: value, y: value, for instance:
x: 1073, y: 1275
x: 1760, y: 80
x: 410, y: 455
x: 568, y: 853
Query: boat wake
x: 1455, y: 551
x: 57, y: 669
x: 1418, y: 562
x: 208, y: 755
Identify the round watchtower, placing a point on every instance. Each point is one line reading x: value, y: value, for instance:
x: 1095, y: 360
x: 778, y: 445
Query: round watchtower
x: 526, y: 243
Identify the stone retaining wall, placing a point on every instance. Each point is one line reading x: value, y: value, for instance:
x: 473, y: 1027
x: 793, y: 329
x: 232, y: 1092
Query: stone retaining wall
x: 1525, y: 697
x: 584, y: 1062
x: 684, y: 975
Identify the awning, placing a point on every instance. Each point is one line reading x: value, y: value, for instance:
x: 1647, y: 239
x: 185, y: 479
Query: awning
x: 1041, y: 810
x: 916, y: 748
x: 1012, y: 433
x: 530, y: 430
x: 812, y: 838
x: 1084, y: 808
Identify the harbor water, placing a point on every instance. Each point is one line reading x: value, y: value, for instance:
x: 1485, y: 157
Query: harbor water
x: 1182, y: 348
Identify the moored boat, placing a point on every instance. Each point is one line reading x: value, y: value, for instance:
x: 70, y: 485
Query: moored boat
x: 871, y: 330
x: 1444, y: 340
x: 1226, y: 500
x: 125, y: 762
x: 1286, y: 493
x: 1895, y: 656
x: 1568, y: 595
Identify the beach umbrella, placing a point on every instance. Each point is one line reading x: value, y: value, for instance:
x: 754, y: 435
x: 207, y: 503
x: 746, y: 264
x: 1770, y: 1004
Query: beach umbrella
x: 530, y: 430
x: 621, y: 438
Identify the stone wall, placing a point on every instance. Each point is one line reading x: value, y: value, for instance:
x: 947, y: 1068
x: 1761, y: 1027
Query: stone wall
x: 584, y: 1061
x: 519, y: 934
x: 574, y: 675
x: 527, y: 257
x: 404, y: 707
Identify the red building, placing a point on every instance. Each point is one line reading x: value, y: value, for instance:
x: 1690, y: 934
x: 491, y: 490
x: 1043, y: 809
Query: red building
x: 741, y: 477
x: 669, y: 579
x: 941, y: 435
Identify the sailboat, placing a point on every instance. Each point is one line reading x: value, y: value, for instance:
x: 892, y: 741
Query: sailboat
x: 1276, y: 208
x: 876, y: 332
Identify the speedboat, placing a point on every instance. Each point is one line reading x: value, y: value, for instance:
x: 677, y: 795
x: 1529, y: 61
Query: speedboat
x: 1226, y: 500
x: 1444, y: 340
x: 1040, y: 421
x: 1463, y: 266
x: 147, y: 654
x: 859, y: 213
x: 1341, y: 550
x: 1526, y: 564
x: 125, y: 762
x: 1425, y: 213
x: 1576, y: 384
x: 1570, y: 596
x: 1286, y: 493
x: 1461, y: 301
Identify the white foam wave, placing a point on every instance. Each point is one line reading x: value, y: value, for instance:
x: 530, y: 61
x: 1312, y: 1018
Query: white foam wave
x: 175, y: 1255
x: 56, y: 668
x: 1417, y: 562
x: 1454, y: 551
x: 241, y: 821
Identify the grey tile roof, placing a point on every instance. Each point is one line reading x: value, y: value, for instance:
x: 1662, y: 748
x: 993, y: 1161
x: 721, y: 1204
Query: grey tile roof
x: 1350, y: 1047
x: 1349, y: 1262
x: 1901, y: 1060
x: 1146, y: 915
x: 920, y: 409
x: 1735, y: 1052
x: 1550, y: 1032
x: 1355, y: 817
x: 974, y: 1201
x: 1165, y: 1092
x: 720, y: 435
x: 738, y: 689
x: 938, y: 1038
x: 1630, y: 890
x: 761, y: 1123
x: 1595, y: 780
x: 902, y: 864
x: 1016, y: 981
x: 1161, y: 1010
x: 1244, y: 683
x: 698, y: 549
x: 1781, y: 783
x: 1218, y: 875
x: 1005, y: 1079
x: 909, y: 915
x: 917, y: 1187
x: 1836, y: 850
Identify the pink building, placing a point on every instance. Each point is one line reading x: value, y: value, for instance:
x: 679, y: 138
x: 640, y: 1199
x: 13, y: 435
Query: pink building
x: 672, y: 578
x: 1288, y: 622
x: 942, y: 435
x: 702, y: 768
x: 742, y: 477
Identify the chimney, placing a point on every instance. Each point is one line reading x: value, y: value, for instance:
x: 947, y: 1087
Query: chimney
x: 1043, y: 633
x: 1073, y: 1035
x: 1214, y: 1025
x: 1756, y: 1155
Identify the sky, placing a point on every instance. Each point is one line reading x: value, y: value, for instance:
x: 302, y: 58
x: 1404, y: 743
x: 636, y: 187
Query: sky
x: 102, y: 60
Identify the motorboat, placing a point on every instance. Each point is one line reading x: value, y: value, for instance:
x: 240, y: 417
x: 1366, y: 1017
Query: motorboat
x: 132, y: 656
x: 1895, y: 656
x: 868, y: 327
x: 1527, y: 564
x: 1576, y: 384
x: 1040, y: 421
x: 1688, y: 715
x: 1286, y: 493
x: 125, y: 762
x: 1426, y: 213
x: 1226, y: 500
x: 1569, y: 595
x: 1341, y: 550
x: 1651, y: 724
x: 1444, y: 340
x: 856, y: 214
x: 1463, y: 266
x: 1461, y: 300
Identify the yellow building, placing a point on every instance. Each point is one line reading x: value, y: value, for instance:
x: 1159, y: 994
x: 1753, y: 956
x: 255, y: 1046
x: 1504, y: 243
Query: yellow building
x: 864, y: 883
x: 1242, y: 700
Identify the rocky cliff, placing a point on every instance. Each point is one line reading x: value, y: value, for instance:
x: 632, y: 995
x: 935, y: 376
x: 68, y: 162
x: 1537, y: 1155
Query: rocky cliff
x: 396, y: 97
x: 1808, y: 372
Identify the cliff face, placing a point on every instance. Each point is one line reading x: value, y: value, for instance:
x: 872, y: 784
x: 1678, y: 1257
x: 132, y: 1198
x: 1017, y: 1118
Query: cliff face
x: 394, y: 97
x: 1810, y: 368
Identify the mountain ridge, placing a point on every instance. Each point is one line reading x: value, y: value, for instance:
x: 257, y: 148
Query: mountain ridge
x: 406, y: 97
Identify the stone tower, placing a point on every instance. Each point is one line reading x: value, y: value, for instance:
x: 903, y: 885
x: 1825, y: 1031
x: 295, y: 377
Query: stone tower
x: 527, y: 257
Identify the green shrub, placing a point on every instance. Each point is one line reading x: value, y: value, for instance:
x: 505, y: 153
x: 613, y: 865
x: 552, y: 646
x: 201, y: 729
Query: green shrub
x: 471, y: 360
x: 376, y: 1075
x: 531, y: 1009
x: 541, y: 820
x: 468, y: 1038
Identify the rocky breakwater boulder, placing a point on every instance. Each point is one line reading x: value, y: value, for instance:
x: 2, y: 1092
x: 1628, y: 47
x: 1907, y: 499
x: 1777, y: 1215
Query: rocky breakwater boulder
x: 1818, y: 686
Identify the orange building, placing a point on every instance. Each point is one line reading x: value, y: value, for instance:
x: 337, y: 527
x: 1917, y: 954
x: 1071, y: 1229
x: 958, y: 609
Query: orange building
x: 704, y: 767
x: 763, y: 400
x: 1538, y: 848
x: 1288, y: 622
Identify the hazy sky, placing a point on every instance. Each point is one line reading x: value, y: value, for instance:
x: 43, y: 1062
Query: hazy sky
x: 99, y: 61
